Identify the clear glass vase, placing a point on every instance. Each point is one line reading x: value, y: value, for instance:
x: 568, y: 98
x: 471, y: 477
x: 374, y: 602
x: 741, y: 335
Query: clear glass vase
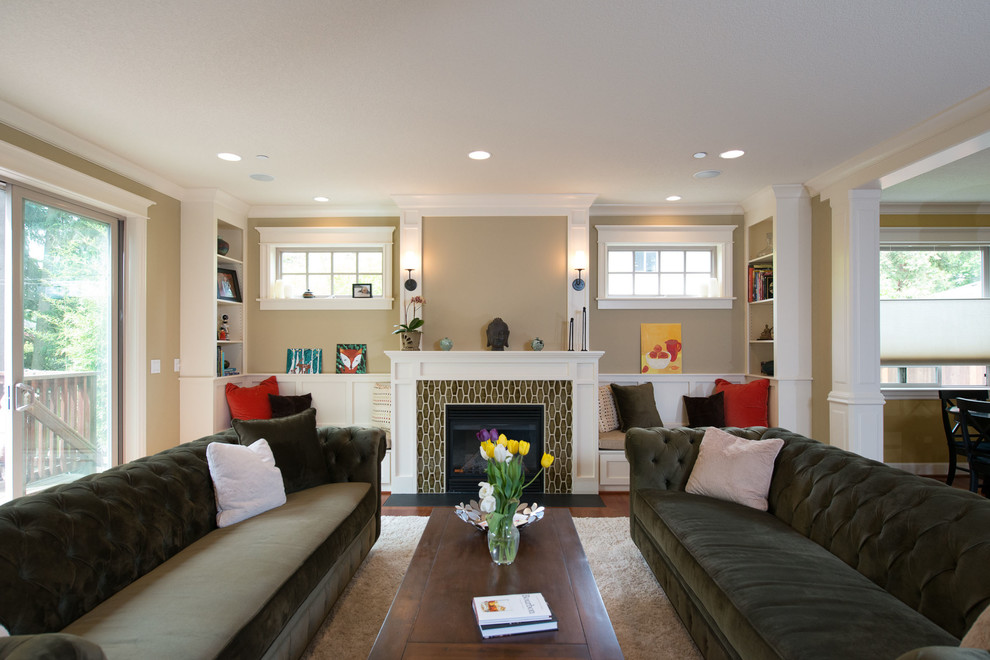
x: 503, y: 541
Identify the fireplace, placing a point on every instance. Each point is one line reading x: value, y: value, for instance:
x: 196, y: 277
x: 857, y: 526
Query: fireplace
x: 465, y: 466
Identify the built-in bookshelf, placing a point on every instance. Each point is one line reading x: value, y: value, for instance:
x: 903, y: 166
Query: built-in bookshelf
x: 760, y: 298
x: 213, y: 285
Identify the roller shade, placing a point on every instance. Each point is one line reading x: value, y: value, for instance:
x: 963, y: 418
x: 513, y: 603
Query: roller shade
x: 935, y: 331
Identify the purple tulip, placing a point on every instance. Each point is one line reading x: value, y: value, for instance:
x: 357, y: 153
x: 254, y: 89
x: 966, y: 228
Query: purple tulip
x: 485, y: 434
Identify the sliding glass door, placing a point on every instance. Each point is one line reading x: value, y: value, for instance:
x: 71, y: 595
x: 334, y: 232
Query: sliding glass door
x: 61, y: 336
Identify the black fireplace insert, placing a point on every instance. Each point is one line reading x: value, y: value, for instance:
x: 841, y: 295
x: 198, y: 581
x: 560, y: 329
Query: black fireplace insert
x: 465, y: 466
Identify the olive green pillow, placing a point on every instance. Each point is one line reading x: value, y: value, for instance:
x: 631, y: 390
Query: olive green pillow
x: 295, y: 445
x: 636, y: 406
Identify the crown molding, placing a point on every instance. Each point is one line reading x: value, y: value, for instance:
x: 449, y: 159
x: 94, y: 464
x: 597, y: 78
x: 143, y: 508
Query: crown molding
x: 961, y: 122
x: 57, y: 137
x: 613, y: 210
x: 323, y: 211
x: 495, y: 205
x: 934, y: 208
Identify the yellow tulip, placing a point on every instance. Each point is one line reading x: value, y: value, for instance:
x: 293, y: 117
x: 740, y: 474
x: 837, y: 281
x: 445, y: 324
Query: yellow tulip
x: 513, y: 446
x: 502, y: 440
x: 546, y: 461
x: 523, y: 447
x: 489, y: 448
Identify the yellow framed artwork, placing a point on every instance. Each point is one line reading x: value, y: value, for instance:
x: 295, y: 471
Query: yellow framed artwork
x: 660, y: 348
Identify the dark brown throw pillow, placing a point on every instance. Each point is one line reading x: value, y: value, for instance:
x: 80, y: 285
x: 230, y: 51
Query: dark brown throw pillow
x: 295, y: 446
x: 705, y: 410
x: 636, y: 406
x: 283, y: 406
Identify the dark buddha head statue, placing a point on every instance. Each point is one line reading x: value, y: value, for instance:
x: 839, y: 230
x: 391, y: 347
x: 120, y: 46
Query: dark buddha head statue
x: 498, y: 335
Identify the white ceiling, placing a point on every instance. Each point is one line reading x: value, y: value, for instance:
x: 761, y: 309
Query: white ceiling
x: 359, y: 100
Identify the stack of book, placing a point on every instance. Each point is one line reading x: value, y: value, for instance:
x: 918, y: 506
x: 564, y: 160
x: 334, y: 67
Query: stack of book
x: 513, y: 614
x: 760, y: 282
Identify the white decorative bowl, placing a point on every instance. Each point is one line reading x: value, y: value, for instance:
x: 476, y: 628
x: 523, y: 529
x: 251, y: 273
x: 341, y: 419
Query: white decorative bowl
x: 526, y: 514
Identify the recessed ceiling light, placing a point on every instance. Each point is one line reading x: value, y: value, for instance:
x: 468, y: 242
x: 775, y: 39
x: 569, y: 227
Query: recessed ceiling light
x: 732, y: 153
x: 224, y: 155
x: 479, y: 155
x: 700, y: 154
x: 262, y: 177
x: 262, y: 156
x: 674, y: 198
x: 321, y: 198
x: 706, y: 174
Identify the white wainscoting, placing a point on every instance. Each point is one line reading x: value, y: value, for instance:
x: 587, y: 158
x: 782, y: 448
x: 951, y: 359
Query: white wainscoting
x: 668, y: 390
x: 339, y: 399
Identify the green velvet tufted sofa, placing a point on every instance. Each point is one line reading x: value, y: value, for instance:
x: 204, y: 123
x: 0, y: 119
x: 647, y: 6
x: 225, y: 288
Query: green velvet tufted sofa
x: 853, y: 559
x: 129, y: 563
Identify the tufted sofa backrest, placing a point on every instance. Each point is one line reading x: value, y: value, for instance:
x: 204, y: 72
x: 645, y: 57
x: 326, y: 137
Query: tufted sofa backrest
x: 66, y: 549
x: 922, y: 541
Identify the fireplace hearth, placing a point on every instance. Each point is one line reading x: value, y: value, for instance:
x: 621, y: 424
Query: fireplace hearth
x: 465, y: 466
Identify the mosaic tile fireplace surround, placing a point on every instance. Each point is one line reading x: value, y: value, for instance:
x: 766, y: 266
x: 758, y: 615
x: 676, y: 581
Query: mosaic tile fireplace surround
x: 564, y: 382
x: 435, y: 395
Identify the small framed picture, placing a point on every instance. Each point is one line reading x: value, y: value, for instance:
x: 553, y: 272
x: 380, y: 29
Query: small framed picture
x: 360, y: 291
x: 227, y: 288
x: 352, y: 358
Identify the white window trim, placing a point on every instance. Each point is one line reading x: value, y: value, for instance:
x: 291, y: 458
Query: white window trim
x: 273, y: 238
x: 716, y: 236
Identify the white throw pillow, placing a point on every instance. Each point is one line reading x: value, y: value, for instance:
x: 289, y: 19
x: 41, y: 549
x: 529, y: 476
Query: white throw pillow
x: 734, y: 469
x: 978, y: 636
x: 3, y: 632
x: 381, y: 405
x: 245, y: 479
x: 608, y: 416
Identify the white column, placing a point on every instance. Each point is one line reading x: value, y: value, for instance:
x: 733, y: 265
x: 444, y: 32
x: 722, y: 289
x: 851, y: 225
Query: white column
x: 578, y: 302
x: 792, y: 310
x: 855, y: 402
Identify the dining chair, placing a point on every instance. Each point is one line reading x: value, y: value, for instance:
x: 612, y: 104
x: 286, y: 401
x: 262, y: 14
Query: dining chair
x: 953, y: 432
x: 974, y: 422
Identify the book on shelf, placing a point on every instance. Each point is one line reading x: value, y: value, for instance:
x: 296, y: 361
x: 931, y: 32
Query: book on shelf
x: 760, y: 282
x: 513, y: 614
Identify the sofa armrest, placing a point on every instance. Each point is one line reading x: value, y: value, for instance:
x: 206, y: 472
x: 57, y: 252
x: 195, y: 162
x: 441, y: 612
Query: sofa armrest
x: 49, y: 646
x: 355, y: 453
x: 661, y: 457
x: 945, y: 653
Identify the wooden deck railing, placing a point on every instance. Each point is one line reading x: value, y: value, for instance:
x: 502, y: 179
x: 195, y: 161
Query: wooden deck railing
x: 55, y: 449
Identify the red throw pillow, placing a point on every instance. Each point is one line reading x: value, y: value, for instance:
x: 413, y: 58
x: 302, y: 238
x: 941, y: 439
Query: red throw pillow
x: 745, y: 405
x: 251, y: 402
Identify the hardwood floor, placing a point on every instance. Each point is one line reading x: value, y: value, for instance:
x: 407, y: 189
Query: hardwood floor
x: 616, y: 506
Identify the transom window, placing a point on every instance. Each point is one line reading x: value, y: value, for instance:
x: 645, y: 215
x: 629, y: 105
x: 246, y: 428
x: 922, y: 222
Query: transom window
x: 665, y: 266
x: 328, y: 262
x: 659, y: 271
x: 330, y: 272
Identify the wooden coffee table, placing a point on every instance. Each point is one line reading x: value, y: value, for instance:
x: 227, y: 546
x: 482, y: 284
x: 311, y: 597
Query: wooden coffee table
x: 431, y: 615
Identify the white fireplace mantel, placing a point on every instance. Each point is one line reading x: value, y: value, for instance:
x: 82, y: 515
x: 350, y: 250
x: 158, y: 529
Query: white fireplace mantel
x: 579, y: 367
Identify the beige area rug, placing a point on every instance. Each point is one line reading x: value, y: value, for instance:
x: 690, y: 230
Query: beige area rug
x: 644, y: 620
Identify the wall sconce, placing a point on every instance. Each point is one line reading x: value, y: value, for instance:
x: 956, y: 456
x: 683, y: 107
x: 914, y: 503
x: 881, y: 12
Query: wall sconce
x: 409, y: 264
x: 579, y: 263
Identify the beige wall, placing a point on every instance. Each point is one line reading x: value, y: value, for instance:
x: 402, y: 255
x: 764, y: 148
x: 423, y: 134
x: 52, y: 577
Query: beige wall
x: 270, y: 333
x: 713, y: 339
x: 477, y: 269
x: 821, y: 317
x: 162, y: 292
x: 913, y: 433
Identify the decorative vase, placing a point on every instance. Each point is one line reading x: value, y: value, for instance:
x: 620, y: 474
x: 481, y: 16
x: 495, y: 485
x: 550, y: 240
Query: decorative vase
x: 503, y: 541
x: 223, y: 247
x: 537, y: 344
x: 411, y: 340
x: 446, y: 344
